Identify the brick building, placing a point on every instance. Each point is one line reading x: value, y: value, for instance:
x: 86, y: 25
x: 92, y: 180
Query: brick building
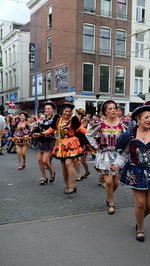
x: 82, y: 51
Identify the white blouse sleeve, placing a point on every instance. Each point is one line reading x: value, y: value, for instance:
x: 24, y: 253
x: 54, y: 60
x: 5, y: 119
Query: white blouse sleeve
x: 90, y: 136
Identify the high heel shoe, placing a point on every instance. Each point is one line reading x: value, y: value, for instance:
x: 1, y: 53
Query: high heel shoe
x: 79, y: 178
x: 44, y: 181
x: 86, y: 175
x: 140, y: 238
x: 74, y: 190
x: 112, y: 207
x: 52, y: 178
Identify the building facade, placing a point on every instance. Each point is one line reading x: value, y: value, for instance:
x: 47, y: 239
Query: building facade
x: 81, y: 51
x: 140, y: 52
x: 14, y: 69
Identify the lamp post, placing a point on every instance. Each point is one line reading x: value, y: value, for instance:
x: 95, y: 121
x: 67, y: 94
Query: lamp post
x: 35, y: 68
x: 97, y: 96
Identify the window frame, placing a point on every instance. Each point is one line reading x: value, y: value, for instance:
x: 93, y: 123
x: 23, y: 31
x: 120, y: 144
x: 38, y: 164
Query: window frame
x: 126, y: 13
x: 88, y: 51
x: 49, y: 50
x: 139, y: 79
x: 125, y: 50
x: 120, y: 93
x: 103, y: 12
x: 49, y: 25
x: 48, y: 90
x: 91, y: 11
x: 105, y: 65
x: 101, y: 53
x: 140, y: 50
x: 87, y: 63
x: 142, y: 13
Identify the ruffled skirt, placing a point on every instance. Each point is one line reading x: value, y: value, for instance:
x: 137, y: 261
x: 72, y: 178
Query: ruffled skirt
x: 46, y: 146
x: 21, y: 141
x: 103, y: 162
x: 68, y: 147
x: 135, y: 176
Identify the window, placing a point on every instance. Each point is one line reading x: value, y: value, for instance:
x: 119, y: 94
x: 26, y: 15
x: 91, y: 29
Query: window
x: 1, y: 34
x: 62, y: 78
x: 120, y: 80
x: 14, y: 78
x: 88, y: 77
x: 106, y: 8
x: 49, y: 18
x: 6, y: 76
x: 140, y: 11
x: 139, y: 45
x: 138, y: 81
x: 10, y: 79
x: 120, y: 43
x: 14, y: 54
x: 6, y: 59
x: 49, y: 48
x: 48, y: 82
x: 122, y: 9
x: 89, y: 6
x: 104, y: 79
x: 88, y: 39
x: 105, y: 41
x: 9, y: 50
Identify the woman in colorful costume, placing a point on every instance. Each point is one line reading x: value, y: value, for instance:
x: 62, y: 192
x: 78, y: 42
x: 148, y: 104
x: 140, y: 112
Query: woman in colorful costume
x: 22, y: 139
x: 134, y: 148
x: 45, y: 144
x: 67, y: 146
x: 109, y: 131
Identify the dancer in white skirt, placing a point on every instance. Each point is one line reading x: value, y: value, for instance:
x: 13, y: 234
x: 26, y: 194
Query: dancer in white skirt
x: 109, y: 131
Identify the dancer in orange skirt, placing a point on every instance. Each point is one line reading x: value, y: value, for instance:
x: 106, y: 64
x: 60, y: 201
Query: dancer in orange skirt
x: 67, y: 146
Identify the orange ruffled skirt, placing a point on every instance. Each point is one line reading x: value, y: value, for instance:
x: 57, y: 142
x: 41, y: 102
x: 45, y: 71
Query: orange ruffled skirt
x: 68, y: 147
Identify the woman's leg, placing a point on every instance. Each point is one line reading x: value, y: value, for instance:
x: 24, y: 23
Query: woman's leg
x: 115, y: 182
x: 109, y: 188
x: 18, y: 149
x: 70, y: 169
x: 76, y: 163
x: 140, y: 204
x: 147, y: 207
x: 84, y: 163
x: 46, y: 162
x: 65, y: 173
x: 41, y: 164
x: 23, y: 153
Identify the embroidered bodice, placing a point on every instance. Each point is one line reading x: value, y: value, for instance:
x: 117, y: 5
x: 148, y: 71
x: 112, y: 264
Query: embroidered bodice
x: 108, y: 136
x: 22, y: 129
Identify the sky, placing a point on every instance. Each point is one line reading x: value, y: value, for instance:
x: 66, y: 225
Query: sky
x: 14, y: 10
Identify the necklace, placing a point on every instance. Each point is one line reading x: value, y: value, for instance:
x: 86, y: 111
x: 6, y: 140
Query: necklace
x: 143, y: 135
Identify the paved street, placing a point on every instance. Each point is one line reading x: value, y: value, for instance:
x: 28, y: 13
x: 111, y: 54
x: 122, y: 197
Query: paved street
x: 22, y: 199
x: 43, y: 226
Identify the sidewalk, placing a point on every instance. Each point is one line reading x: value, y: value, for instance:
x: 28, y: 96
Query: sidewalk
x: 92, y: 239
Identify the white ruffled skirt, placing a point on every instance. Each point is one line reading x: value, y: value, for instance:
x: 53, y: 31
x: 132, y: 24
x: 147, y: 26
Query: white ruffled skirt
x: 103, y: 162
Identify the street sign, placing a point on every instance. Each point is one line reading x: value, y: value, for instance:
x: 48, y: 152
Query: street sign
x: 12, y: 105
x: 12, y: 97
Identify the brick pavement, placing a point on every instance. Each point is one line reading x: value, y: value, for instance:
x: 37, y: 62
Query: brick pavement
x: 22, y: 199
